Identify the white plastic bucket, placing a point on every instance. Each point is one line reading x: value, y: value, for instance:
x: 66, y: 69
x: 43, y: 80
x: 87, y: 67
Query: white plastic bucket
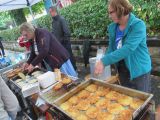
x: 106, y: 73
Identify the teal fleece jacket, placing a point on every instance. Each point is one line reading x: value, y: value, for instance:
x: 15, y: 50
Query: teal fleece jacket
x: 134, y: 49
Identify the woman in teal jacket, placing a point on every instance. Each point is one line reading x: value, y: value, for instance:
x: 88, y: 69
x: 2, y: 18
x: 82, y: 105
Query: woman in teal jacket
x: 127, y: 47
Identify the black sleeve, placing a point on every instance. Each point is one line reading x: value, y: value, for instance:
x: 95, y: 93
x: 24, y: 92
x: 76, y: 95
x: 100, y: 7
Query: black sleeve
x: 52, y: 27
x: 1, y: 44
x: 43, y: 47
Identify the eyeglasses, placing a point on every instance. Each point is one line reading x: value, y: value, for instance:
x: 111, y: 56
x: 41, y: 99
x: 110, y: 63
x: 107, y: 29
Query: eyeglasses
x: 111, y: 12
x: 24, y: 35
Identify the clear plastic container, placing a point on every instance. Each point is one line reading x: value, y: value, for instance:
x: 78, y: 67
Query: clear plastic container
x: 106, y: 73
x: 100, y: 54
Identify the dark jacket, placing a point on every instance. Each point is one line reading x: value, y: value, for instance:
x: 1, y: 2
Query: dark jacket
x: 61, y: 31
x: 49, y: 50
x: 1, y: 45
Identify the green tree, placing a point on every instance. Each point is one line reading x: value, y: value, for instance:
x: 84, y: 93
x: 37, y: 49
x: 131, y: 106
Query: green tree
x: 18, y: 16
x: 4, y: 18
x: 149, y: 11
x: 37, y: 8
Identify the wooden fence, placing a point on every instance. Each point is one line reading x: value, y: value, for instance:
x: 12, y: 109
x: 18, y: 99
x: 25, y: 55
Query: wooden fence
x: 83, y: 49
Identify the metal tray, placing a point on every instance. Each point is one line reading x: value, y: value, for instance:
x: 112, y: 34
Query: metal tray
x: 5, y: 74
x: 146, y: 97
x: 11, y: 67
x: 12, y: 80
x: 50, y: 96
x: 30, y: 74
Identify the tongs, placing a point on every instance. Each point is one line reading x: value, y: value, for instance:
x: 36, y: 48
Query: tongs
x: 73, y: 84
x: 27, y: 73
x: 22, y: 76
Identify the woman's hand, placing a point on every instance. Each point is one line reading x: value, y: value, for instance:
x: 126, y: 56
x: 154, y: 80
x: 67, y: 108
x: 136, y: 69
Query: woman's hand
x: 99, y: 68
x: 30, y: 68
x: 25, y: 66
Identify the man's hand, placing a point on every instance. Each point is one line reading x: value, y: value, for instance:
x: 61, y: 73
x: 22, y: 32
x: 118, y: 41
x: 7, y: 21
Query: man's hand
x: 99, y: 68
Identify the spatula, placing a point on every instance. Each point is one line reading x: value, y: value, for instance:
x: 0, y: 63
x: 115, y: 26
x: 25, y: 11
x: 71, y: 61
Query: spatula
x: 22, y: 76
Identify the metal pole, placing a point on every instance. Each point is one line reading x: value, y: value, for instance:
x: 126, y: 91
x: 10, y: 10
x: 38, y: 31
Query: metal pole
x: 30, y: 9
x: 34, y: 22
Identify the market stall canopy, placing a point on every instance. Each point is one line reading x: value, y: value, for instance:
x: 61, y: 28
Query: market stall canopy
x: 16, y: 4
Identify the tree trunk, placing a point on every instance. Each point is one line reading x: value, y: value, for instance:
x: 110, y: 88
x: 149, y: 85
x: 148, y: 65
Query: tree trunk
x: 18, y: 16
